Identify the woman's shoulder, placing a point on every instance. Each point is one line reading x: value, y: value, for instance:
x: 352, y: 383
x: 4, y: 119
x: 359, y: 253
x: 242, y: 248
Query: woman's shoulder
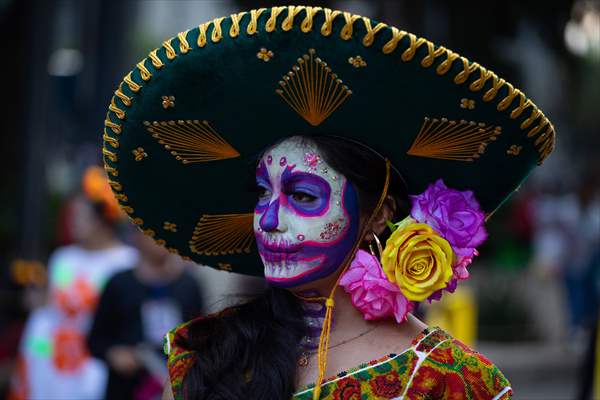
x: 448, y: 368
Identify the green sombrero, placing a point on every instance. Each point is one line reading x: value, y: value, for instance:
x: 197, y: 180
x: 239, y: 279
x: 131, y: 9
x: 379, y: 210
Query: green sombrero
x: 187, y: 122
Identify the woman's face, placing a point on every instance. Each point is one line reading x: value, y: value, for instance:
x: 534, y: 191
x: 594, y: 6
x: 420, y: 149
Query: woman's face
x: 307, y: 216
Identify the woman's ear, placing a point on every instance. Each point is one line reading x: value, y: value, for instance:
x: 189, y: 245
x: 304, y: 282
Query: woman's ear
x: 385, y: 213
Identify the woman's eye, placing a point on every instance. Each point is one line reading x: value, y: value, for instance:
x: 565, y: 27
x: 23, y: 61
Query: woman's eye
x: 302, y: 197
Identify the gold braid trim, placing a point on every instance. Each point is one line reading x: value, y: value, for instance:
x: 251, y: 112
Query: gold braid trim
x: 234, y: 31
x: 114, y: 142
x: 134, y: 87
x: 217, y: 33
x: 156, y: 61
x: 144, y: 72
x: 538, y: 127
x: 116, y: 110
x: 169, y: 50
x: 116, y: 128
x: 125, y: 99
x: 184, y: 46
x: 111, y: 171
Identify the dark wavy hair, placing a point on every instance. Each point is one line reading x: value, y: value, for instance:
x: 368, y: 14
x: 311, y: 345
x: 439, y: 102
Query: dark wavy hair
x: 251, y: 351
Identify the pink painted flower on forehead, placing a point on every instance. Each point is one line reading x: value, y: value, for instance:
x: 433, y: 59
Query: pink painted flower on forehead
x: 371, y: 292
x: 312, y: 160
x: 453, y: 214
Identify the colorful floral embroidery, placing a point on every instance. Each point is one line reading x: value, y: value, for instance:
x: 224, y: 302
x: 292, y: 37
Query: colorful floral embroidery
x: 436, y: 366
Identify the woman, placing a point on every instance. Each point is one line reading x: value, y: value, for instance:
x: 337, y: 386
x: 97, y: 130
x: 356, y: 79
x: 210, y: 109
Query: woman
x: 334, y: 163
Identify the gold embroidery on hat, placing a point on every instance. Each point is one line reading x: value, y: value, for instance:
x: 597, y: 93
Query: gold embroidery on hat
x: 312, y: 90
x: 168, y: 101
x: 121, y: 197
x: 144, y: 72
x: 116, y: 128
x: 452, y: 140
x: 160, y: 242
x: 225, y: 266
x: 514, y: 150
x: 115, y: 109
x: 170, y: 226
x: 272, y: 21
x: 134, y: 87
x: 125, y: 99
x: 184, y: 46
x: 234, y: 31
x: 223, y: 234
x: 169, y: 50
x: 467, y: 103
x: 111, y: 171
x: 149, y: 232
x: 110, y: 155
x: 137, y: 221
x: 264, y: 54
x: 191, y: 141
x: 357, y: 62
x: 110, y: 140
x: 156, y: 61
x: 139, y: 154
x: 128, y: 209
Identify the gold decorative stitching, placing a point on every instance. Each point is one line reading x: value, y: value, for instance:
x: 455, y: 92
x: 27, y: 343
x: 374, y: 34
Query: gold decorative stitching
x: 127, y: 209
x: 144, y: 72
x: 202, y: 28
x: 113, y: 107
x: 452, y: 140
x: 156, y: 61
x: 139, y: 154
x: 184, y: 46
x: 149, y: 232
x: 191, y: 141
x: 234, y: 31
x: 348, y: 28
x: 217, y: 33
x: 253, y: 24
x: 137, y: 221
x: 288, y: 22
x: 172, y: 250
x: 468, y: 69
x: 445, y: 65
x: 134, y: 87
x: 223, y: 234
x: 391, y: 45
x: 371, y: 32
x: 125, y: 99
x: 514, y: 150
x: 312, y: 90
x: 121, y: 197
x: 168, y: 101
x: 110, y: 170
x: 116, y: 128
x: 272, y: 21
x: 264, y: 54
x: 467, y: 103
x: 307, y: 23
x: 110, y: 140
x: 116, y: 186
x: 170, y: 226
x: 110, y: 155
x: 327, y: 26
x: 160, y: 242
x: 169, y: 50
x: 357, y: 62
x: 225, y: 266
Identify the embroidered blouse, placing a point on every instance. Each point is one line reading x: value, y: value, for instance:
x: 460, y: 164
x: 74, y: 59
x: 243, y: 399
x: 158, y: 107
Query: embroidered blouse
x: 436, y: 366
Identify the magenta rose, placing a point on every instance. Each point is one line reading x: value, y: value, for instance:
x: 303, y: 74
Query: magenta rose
x: 371, y: 292
x: 455, y: 215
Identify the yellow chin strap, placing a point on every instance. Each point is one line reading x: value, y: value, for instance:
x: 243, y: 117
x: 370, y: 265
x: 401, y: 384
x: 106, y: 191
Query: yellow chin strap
x: 329, y: 303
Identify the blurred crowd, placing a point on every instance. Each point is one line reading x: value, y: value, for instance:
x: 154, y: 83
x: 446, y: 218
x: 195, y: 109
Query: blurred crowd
x: 96, y: 325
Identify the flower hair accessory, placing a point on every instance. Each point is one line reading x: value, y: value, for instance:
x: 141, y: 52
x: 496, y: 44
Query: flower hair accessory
x: 428, y: 252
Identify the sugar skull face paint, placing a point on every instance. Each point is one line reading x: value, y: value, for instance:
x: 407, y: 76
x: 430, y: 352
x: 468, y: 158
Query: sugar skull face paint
x: 307, y: 215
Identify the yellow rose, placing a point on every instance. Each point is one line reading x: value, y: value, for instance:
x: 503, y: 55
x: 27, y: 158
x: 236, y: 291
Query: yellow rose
x: 417, y: 259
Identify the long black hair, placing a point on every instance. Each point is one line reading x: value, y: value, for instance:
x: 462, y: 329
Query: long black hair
x: 251, y: 351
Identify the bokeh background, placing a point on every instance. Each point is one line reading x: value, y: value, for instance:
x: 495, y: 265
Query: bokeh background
x: 532, y: 302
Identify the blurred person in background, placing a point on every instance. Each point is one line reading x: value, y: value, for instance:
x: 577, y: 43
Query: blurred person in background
x: 136, y: 309
x: 54, y: 361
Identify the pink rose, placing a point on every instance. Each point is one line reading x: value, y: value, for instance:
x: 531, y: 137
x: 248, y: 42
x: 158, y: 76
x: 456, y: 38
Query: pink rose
x: 453, y: 214
x: 371, y: 292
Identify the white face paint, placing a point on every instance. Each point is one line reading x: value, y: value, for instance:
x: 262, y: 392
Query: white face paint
x: 307, y: 215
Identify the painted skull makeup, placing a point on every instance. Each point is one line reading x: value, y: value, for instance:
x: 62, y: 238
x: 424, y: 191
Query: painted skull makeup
x: 307, y: 215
